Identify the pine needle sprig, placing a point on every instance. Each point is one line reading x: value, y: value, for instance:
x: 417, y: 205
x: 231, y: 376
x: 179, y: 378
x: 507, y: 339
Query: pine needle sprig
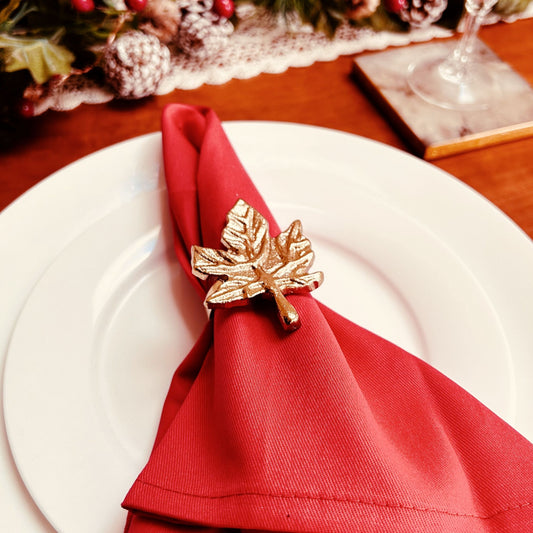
x: 323, y: 15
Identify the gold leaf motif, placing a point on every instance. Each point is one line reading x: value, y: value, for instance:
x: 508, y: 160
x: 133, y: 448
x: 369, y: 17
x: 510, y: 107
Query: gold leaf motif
x: 255, y: 264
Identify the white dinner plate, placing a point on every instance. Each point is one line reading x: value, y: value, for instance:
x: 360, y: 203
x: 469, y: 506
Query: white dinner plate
x: 408, y: 252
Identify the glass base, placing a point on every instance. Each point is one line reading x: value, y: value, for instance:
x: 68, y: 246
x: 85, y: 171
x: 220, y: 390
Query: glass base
x: 438, y: 81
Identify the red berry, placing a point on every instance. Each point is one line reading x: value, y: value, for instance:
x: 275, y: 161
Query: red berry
x: 26, y: 108
x: 83, y: 6
x: 136, y: 5
x: 395, y: 6
x: 224, y: 8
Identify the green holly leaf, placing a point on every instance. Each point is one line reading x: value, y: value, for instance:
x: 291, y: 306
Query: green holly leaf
x: 40, y: 56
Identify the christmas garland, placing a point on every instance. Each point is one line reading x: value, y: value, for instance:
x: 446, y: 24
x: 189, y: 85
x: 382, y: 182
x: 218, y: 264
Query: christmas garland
x: 128, y: 44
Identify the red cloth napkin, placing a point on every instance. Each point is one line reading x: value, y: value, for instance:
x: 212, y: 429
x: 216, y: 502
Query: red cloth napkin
x: 326, y: 429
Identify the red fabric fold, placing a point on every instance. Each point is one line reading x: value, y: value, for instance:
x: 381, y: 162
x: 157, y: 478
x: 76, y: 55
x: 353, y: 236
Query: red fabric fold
x: 326, y: 429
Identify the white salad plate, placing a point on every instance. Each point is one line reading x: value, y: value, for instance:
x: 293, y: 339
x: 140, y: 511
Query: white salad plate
x: 99, y: 313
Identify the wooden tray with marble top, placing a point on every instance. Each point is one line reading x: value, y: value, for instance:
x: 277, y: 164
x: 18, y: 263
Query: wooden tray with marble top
x: 435, y: 132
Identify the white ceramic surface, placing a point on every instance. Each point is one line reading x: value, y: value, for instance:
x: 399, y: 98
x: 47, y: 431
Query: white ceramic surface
x: 106, y: 314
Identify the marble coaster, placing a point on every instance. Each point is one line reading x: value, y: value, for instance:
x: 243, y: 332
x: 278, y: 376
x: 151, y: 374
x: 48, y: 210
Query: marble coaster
x: 435, y: 132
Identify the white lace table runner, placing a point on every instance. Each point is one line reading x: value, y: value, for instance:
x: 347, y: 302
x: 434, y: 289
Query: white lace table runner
x: 257, y: 46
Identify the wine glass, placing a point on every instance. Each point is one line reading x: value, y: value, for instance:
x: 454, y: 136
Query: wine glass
x: 461, y: 80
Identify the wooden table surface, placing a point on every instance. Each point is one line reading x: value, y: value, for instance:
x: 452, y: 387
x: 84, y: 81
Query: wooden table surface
x: 323, y: 94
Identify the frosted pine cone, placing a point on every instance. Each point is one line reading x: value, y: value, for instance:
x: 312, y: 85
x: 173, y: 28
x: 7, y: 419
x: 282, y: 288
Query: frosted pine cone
x: 161, y: 18
x: 202, y: 33
x: 196, y: 6
x: 420, y: 13
x: 135, y: 64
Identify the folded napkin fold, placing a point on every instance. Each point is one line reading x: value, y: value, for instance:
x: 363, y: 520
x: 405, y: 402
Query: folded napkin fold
x: 326, y: 429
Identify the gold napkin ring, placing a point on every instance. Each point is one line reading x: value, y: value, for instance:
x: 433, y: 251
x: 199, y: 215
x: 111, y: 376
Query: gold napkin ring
x: 256, y: 264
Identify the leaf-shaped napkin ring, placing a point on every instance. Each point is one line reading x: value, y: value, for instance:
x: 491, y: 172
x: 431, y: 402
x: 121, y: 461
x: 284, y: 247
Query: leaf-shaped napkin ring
x: 255, y: 263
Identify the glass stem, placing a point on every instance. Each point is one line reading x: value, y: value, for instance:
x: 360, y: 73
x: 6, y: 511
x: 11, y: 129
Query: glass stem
x: 466, y: 44
x: 455, y: 67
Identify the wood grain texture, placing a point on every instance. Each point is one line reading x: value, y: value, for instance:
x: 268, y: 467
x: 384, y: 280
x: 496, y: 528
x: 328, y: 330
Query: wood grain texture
x: 323, y: 94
